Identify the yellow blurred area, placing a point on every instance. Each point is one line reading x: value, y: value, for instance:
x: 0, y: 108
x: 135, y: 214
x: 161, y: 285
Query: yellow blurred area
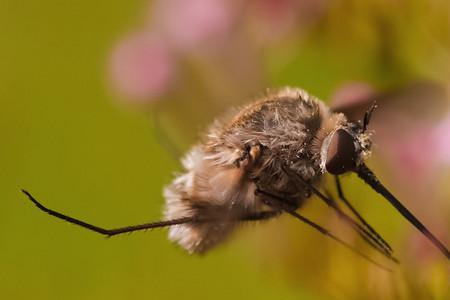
x: 69, y: 140
x: 64, y: 139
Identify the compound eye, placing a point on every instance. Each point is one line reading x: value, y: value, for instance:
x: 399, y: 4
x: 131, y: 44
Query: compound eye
x: 341, y: 153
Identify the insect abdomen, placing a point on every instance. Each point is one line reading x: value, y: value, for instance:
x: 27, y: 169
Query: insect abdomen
x: 219, y: 194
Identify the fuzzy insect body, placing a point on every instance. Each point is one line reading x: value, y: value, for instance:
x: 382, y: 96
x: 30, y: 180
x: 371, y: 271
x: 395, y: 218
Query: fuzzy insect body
x: 248, y: 149
x: 264, y: 159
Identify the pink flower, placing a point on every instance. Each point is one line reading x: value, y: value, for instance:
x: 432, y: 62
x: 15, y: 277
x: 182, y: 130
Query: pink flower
x: 194, y: 23
x: 412, y: 135
x: 421, y: 153
x: 411, y: 130
x: 351, y: 93
x: 142, y: 67
x: 275, y: 18
x: 419, y: 247
x: 441, y: 136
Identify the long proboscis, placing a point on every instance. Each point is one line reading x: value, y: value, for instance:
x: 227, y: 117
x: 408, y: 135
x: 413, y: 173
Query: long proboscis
x: 369, y: 177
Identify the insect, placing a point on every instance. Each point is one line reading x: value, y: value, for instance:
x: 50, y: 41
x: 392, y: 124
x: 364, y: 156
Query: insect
x: 262, y: 160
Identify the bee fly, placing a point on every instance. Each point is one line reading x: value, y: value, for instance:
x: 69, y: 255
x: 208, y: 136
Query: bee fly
x: 263, y: 160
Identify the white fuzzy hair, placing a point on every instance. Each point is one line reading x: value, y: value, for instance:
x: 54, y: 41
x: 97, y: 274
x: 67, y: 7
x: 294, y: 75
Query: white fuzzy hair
x: 288, y: 124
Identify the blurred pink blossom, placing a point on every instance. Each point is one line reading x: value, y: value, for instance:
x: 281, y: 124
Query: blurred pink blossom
x: 275, y: 18
x: 421, y: 152
x: 142, y: 67
x: 351, y: 93
x: 441, y: 137
x: 412, y: 134
x: 194, y: 23
x: 426, y: 153
x: 420, y: 248
x: 410, y: 129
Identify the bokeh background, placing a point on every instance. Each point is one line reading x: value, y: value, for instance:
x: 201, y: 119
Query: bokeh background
x: 99, y: 98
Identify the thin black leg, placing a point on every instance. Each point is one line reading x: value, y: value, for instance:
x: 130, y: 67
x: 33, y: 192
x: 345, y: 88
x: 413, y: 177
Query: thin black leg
x: 261, y: 216
x: 280, y: 203
x: 257, y: 216
x: 364, y: 233
x: 357, y: 214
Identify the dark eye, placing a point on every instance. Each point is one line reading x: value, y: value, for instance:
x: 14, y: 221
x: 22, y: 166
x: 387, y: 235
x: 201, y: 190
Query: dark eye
x: 341, y: 154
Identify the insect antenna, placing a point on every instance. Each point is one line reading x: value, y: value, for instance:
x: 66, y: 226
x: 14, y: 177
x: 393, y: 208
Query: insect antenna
x: 257, y: 216
x: 363, y: 232
x: 280, y: 203
x: 369, y: 177
x: 368, y: 115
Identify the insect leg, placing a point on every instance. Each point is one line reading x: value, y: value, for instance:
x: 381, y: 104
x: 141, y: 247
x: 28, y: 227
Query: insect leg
x: 259, y: 216
x: 357, y: 214
x: 107, y: 232
x: 280, y: 203
x: 263, y: 215
x: 363, y: 232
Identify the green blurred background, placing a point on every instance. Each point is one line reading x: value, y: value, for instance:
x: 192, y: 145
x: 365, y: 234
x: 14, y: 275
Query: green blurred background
x: 67, y: 139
